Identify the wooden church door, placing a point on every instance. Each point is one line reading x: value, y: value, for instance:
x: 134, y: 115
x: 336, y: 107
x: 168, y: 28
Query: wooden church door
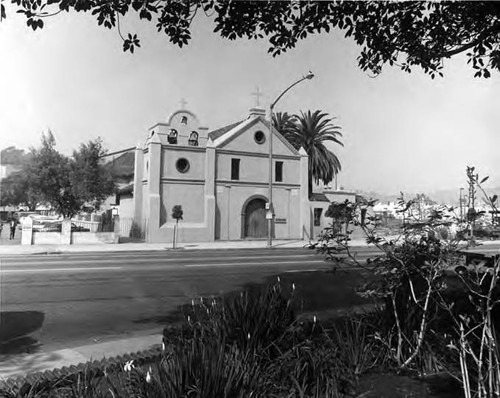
x: 255, y: 219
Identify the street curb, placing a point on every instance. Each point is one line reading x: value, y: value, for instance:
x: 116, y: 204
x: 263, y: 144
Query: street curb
x: 96, y: 367
x: 147, y: 247
x: 184, y: 249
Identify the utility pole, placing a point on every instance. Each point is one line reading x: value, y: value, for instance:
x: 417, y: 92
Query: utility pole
x: 269, y: 205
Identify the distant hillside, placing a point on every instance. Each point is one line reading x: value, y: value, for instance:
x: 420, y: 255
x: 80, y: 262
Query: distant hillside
x: 122, y: 167
x: 451, y: 196
x: 376, y: 195
x: 445, y: 196
x: 13, y: 156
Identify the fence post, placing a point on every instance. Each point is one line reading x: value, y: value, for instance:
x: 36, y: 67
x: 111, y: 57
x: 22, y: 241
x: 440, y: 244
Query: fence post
x: 66, y: 232
x: 27, y: 231
x: 116, y: 228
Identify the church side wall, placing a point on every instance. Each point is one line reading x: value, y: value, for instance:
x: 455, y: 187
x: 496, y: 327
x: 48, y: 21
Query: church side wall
x: 253, y: 182
x: 286, y: 209
x: 246, y: 142
x: 254, y: 168
x: 195, y: 157
x: 145, y: 210
x: 185, y: 187
x: 231, y: 199
x: 188, y: 195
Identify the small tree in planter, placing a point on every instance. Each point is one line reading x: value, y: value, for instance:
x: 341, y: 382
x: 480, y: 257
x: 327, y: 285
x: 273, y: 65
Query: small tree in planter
x: 177, y: 215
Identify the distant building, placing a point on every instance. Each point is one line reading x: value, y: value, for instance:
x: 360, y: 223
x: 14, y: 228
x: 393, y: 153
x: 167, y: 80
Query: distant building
x: 8, y: 169
x: 387, y: 209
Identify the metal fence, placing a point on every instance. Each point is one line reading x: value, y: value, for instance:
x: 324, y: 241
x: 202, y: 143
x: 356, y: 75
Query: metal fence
x: 128, y: 228
x: 100, y: 225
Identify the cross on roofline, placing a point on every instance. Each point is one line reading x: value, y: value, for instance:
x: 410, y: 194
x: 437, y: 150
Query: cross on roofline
x: 183, y: 103
x: 257, y: 95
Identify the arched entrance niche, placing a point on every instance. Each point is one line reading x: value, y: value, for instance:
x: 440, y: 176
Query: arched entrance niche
x: 253, y: 218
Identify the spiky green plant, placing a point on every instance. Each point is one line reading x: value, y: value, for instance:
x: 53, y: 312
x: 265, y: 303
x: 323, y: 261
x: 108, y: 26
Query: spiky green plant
x: 209, y: 369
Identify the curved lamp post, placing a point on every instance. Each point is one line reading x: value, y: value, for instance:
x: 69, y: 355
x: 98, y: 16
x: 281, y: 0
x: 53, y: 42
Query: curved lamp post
x: 270, y: 210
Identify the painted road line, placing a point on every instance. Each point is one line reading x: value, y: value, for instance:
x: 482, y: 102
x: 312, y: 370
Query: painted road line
x: 267, y: 263
x: 290, y: 271
x: 156, y: 267
x: 34, y: 270
x: 156, y: 253
x: 34, y: 263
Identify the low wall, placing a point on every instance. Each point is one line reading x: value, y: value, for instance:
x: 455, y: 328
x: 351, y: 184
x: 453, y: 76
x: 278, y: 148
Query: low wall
x: 82, y: 238
x: 77, y: 238
x: 67, y: 236
x: 45, y: 238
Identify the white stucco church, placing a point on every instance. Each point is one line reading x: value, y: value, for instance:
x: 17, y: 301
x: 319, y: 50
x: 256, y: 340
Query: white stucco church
x: 220, y: 178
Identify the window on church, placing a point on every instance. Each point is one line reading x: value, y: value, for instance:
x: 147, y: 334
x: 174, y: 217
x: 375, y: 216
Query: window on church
x: 235, y: 169
x: 184, y: 120
x: 172, y: 136
x: 193, y: 139
x: 259, y: 137
x: 182, y: 165
x: 278, y: 171
x: 317, y: 216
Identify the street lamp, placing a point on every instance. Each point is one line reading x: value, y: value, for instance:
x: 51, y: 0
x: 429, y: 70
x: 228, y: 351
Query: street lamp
x: 270, y: 210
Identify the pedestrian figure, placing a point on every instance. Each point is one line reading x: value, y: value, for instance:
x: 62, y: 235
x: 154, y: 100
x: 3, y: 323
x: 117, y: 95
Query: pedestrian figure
x: 12, y: 228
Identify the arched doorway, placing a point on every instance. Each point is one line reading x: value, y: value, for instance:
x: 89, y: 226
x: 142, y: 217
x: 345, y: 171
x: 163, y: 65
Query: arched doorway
x: 254, y: 216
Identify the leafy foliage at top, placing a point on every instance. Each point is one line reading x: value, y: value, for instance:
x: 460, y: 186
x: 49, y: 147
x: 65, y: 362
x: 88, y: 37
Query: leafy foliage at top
x: 17, y: 189
x: 407, y: 34
x: 12, y: 155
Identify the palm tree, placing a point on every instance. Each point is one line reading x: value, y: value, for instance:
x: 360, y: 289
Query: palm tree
x: 284, y: 124
x: 311, y: 131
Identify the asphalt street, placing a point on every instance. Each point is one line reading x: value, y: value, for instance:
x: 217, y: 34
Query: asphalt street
x: 51, y: 302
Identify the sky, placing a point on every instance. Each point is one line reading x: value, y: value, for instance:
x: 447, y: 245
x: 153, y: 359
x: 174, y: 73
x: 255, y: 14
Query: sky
x: 401, y: 132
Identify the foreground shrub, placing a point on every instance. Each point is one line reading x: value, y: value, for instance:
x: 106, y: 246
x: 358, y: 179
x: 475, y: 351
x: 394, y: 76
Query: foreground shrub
x: 209, y: 369
x: 255, y: 321
x: 428, y: 325
x: 245, y: 345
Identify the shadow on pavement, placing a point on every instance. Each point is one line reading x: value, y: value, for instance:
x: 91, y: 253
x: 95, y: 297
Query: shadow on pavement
x: 173, y: 317
x: 327, y: 294
x: 15, y: 329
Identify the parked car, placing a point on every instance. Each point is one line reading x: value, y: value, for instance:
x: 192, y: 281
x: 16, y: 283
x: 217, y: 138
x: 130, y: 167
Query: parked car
x: 78, y: 228
x: 22, y: 217
x: 51, y: 225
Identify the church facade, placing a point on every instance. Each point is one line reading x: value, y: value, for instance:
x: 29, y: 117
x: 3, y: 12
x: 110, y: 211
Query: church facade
x: 220, y: 178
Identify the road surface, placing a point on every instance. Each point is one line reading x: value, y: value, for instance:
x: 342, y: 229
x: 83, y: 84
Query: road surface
x: 50, y: 302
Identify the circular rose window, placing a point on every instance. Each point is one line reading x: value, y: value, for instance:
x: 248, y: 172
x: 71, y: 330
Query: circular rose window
x: 259, y: 137
x: 182, y: 165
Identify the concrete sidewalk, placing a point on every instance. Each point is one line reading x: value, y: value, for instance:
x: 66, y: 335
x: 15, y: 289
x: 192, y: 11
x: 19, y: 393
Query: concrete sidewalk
x: 24, y: 364
x: 18, y: 249
x: 148, y: 247
x: 115, y: 350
